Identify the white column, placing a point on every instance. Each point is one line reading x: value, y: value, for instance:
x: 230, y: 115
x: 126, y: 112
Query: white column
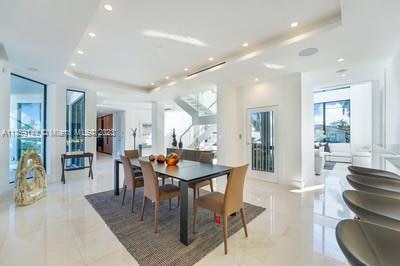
x: 229, y: 120
x: 5, y: 84
x: 158, y: 129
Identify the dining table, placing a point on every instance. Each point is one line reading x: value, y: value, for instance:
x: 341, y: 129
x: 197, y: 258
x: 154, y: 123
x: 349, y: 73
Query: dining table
x: 186, y: 172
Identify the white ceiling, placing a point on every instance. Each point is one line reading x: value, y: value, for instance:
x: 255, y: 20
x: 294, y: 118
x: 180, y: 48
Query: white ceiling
x: 46, y: 35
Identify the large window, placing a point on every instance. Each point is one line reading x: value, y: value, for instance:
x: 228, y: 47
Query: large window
x: 75, y: 126
x: 332, y: 122
x: 27, y: 119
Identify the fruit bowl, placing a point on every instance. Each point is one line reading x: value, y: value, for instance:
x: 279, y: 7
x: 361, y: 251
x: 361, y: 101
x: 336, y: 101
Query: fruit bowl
x: 172, y: 159
x: 160, y: 158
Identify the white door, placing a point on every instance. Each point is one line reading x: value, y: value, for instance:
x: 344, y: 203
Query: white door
x: 261, y: 143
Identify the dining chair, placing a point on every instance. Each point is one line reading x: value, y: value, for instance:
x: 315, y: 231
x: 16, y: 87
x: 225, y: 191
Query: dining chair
x: 205, y: 157
x: 134, y: 154
x: 154, y: 192
x: 131, y: 180
x: 225, y: 204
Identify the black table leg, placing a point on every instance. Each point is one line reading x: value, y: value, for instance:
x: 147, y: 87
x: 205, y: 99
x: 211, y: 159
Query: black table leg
x: 116, y: 177
x: 184, y: 221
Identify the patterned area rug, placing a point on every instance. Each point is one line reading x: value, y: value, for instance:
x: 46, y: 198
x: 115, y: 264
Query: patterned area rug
x: 163, y: 248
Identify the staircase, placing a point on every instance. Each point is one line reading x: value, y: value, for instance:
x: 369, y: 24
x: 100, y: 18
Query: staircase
x: 202, y: 107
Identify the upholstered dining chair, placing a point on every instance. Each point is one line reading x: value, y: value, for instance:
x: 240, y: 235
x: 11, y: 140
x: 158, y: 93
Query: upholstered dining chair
x: 131, y: 180
x: 225, y: 204
x: 154, y: 192
x: 134, y: 154
x: 205, y: 157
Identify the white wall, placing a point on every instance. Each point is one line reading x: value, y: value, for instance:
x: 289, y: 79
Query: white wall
x: 56, y: 120
x: 392, y: 112
x: 285, y: 94
x: 158, y: 128
x: 4, y: 123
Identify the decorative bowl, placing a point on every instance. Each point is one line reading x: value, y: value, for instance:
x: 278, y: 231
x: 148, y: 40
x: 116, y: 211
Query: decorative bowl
x: 172, y: 159
x: 160, y: 158
x: 152, y: 158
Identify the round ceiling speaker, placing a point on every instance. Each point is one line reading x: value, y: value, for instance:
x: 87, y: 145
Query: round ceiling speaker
x: 308, y: 52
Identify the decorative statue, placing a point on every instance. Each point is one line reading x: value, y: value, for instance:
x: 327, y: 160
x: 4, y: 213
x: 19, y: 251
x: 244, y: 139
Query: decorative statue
x: 174, y: 142
x: 29, y: 192
x: 134, y: 137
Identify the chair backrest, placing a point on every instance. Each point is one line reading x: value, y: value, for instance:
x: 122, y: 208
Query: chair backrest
x: 234, y: 189
x: 132, y: 154
x: 151, y: 189
x: 206, y: 157
x: 128, y: 171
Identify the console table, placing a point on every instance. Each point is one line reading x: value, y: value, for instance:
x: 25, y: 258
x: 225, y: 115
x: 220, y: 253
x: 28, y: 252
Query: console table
x: 66, y: 156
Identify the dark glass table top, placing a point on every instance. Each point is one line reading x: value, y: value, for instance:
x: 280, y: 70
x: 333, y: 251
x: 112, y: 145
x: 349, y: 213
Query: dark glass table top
x: 186, y: 170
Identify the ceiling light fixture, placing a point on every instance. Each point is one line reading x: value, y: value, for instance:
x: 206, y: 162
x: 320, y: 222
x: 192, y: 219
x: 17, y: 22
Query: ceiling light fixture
x: 33, y: 69
x: 256, y: 80
x: 245, y: 44
x: 173, y: 37
x: 343, y: 75
x: 340, y: 60
x: 273, y: 66
x: 152, y: 84
x: 73, y: 64
x: 294, y: 24
x: 167, y: 77
x: 108, y: 7
x: 92, y: 34
x: 211, y: 59
x: 186, y: 69
x: 80, y: 52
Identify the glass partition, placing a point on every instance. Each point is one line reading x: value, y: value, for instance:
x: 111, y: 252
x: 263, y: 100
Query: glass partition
x: 75, y: 126
x: 27, y: 119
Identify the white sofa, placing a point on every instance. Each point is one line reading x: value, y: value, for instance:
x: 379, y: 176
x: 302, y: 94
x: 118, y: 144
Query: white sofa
x: 339, y: 152
x: 359, y: 155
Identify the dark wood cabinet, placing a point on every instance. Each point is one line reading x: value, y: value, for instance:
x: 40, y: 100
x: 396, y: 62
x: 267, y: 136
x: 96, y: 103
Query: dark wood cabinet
x: 105, y: 138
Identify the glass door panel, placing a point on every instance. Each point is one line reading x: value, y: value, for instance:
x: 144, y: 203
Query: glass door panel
x: 27, y: 119
x: 261, y: 143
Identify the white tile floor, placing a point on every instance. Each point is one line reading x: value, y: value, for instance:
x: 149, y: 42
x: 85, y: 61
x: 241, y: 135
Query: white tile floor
x: 63, y: 229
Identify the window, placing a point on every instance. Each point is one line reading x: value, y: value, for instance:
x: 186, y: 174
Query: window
x: 27, y: 120
x: 75, y: 126
x: 332, y: 122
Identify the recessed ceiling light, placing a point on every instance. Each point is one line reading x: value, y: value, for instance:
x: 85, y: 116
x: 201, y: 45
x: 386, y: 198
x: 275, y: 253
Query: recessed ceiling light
x: 73, y: 64
x: 166, y: 77
x: 343, y: 75
x: 108, y: 7
x: 340, y: 60
x: 308, y: 52
x: 33, y: 69
x: 294, y: 24
x: 256, y: 80
x: 273, y: 66
x: 211, y: 58
x: 92, y: 34
x: 152, y: 84
x: 80, y: 52
x: 186, y: 69
x: 245, y: 44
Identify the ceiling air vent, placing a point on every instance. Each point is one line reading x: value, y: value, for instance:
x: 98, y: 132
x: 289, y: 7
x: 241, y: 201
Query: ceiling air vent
x: 206, y: 69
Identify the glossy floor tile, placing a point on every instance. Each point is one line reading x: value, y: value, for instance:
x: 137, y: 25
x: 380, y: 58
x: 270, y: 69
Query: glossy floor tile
x: 63, y: 229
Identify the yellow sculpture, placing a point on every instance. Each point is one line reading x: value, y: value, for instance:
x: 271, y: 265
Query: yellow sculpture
x: 30, y: 192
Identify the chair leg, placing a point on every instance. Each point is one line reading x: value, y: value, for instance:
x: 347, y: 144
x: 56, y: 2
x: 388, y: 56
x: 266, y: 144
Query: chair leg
x: 211, y: 185
x: 225, y: 226
x: 243, y: 221
x: 143, y: 206
x: 133, y: 197
x: 169, y: 204
x: 123, y: 194
x: 195, y: 219
x: 163, y: 181
x: 156, y: 214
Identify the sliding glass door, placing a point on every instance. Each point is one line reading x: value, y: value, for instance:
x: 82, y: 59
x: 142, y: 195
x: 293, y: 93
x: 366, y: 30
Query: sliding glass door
x: 27, y: 119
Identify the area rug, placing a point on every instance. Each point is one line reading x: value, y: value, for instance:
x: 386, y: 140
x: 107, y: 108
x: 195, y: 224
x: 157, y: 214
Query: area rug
x: 164, y: 247
x: 329, y: 165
